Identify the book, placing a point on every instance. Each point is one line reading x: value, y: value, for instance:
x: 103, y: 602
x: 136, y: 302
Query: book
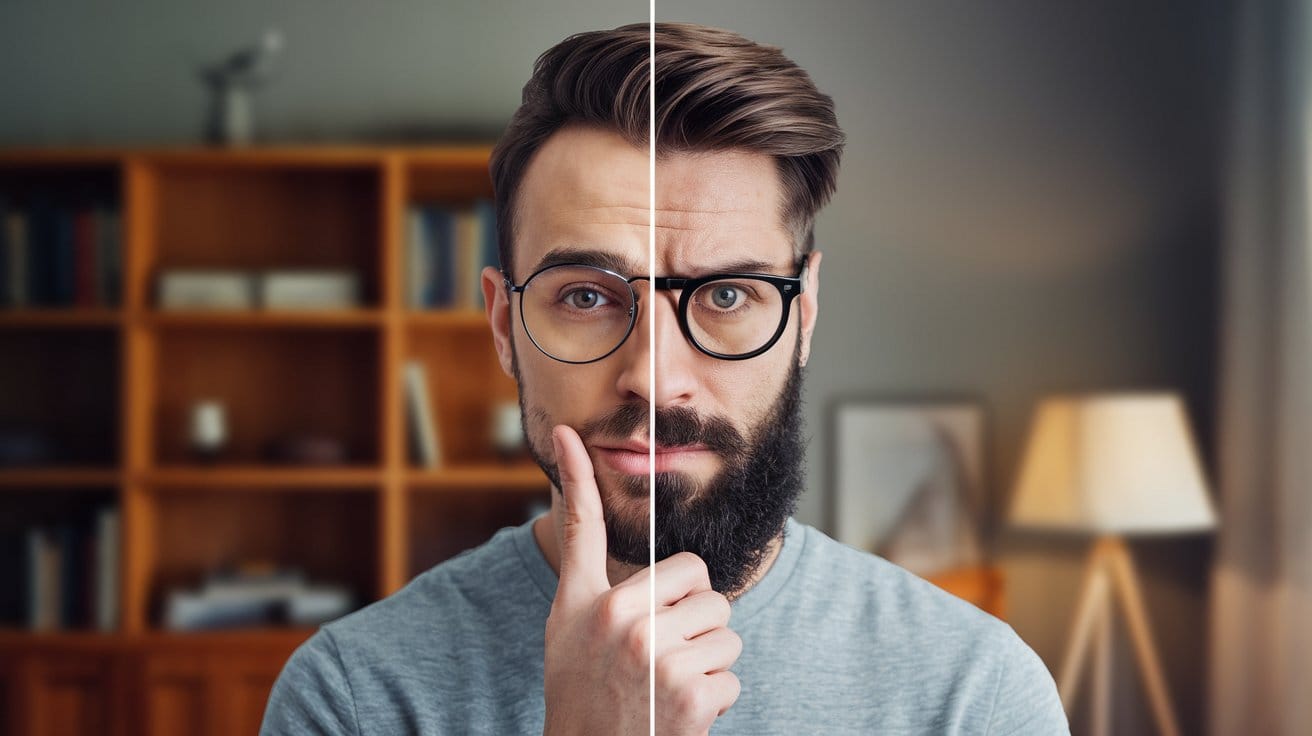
x: 423, y: 430
x: 62, y: 272
x: 441, y: 236
x: 109, y: 264
x: 84, y: 257
x: 418, y: 267
x: 16, y: 240
x: 468, y: 261
x: 107, y: 569
x: 44, y: 589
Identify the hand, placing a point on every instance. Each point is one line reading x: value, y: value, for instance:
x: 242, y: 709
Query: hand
x: 598, y: 639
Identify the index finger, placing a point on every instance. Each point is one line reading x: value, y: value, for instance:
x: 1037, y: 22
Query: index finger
x: 583, y: 528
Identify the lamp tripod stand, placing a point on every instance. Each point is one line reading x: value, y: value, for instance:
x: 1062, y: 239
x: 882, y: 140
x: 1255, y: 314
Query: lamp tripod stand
x: 1109, y: 576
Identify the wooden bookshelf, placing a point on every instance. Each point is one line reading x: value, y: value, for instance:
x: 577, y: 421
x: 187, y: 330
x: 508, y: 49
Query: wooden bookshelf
x: 112, y: 385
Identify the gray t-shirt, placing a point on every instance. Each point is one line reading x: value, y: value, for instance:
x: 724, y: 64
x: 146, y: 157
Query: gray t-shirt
x: 834, y: 641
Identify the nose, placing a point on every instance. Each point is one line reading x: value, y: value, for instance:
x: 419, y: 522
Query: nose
x: 675, y: 379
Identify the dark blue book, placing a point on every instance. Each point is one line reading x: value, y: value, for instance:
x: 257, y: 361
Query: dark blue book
x: 42, y: 233
x: 442, y: 236
x: 63, y: 283
x: 486, y: 213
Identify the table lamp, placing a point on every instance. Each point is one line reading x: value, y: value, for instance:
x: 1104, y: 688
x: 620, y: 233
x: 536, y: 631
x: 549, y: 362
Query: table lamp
x: 1108, y: 466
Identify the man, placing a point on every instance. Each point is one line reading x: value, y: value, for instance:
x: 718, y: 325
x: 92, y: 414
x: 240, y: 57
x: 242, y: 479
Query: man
x: 762, y: 625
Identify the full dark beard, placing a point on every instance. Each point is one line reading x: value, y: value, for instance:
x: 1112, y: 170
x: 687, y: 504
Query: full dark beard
x: 731, y: 521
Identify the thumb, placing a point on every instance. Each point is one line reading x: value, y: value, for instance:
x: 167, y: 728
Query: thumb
x: 581, y: 525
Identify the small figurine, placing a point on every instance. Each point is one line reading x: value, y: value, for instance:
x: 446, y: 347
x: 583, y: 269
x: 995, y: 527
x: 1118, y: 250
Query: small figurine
x: 231, y: 81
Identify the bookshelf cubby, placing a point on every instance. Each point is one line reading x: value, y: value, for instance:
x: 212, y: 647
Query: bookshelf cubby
x: 111, y: 387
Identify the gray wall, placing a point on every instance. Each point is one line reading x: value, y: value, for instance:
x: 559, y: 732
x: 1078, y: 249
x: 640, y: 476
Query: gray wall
x: 1029, y: 199
x: 1029, y: 204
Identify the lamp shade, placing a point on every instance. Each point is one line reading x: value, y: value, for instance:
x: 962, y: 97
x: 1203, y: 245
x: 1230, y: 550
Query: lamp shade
x: 1112, y: 464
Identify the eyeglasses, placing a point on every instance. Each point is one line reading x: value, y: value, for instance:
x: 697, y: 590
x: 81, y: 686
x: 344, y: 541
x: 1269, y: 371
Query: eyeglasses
x: 581, y: 314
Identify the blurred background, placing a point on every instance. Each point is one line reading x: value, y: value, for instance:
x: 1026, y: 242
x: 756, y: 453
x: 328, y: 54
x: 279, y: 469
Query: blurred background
x: 235, y: 401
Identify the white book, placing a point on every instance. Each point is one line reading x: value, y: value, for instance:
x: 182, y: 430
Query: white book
x: 107, y: 568
x: 421, y: 414
x: 36, y: 580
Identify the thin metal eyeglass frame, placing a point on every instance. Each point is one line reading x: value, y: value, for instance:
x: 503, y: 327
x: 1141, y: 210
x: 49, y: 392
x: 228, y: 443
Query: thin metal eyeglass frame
x: 789, y: 287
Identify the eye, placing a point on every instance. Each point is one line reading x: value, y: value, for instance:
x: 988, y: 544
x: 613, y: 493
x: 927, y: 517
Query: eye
x: 725, y: 296
x: 586, y: 299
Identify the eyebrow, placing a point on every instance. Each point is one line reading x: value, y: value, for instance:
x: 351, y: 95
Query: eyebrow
x: 621, y: 265
x: 588, y: 257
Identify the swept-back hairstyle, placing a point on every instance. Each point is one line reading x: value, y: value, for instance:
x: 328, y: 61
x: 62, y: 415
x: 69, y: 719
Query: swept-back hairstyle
x: 715, y: 90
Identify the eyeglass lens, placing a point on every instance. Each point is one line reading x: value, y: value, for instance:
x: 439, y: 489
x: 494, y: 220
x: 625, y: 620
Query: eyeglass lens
x: 580, y: 313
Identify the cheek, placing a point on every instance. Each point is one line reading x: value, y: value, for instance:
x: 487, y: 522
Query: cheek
x: 744, y: 391
x: 567, y: 394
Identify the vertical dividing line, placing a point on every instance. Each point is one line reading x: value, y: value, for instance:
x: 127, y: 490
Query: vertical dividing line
x: 651, y: 356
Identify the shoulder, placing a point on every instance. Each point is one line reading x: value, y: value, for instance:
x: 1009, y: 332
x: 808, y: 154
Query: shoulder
x: 445, y: 602
x: 312, y: 693
x: 440, y: 623
x: 932, y: 639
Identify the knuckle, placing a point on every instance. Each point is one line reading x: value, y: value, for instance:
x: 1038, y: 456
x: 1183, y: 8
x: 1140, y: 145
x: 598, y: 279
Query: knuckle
x: 694, y: 563
x: 721, y: 607
x: 667, y: 669
x: 612, y: 610
x: 637, y: 643
x: 733, y: 687
x: 690, y: 703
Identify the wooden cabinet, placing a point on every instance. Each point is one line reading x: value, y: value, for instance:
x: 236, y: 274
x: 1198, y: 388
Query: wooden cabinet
x: 207, y: 684
x: 113, y: 384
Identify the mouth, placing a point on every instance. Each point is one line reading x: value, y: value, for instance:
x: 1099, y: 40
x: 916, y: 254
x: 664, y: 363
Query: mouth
x: 635, y: 457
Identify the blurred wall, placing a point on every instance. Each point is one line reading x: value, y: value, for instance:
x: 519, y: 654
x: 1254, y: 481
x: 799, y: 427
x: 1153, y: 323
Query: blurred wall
x: 1028, y: 203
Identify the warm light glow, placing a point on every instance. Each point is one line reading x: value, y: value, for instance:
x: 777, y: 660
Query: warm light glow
x: 1112, y: 464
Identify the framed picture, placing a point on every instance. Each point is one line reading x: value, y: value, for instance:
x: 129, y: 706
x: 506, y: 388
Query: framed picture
x: 909, y: 481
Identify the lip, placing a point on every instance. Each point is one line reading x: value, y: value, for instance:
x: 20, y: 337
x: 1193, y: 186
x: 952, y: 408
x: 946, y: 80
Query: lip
x: 634, y: 458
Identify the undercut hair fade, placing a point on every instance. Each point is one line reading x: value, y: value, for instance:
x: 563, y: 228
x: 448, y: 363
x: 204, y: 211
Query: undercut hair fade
x: 715, y: 91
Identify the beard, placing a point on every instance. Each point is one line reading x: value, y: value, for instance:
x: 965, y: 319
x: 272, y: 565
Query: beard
x: 728, y: 521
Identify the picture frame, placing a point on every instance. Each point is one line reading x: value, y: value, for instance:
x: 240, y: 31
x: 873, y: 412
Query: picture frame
x: 909, y: 480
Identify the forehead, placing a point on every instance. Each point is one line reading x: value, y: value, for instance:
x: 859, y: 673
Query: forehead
x: 589, y: 190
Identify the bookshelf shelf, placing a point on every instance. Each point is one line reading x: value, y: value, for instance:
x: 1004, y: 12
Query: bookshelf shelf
x: 515, y: 478
x: 22, y: 478
x: 256, y: 478
x: 440, y: 319
x: 60, y: 317
x: 104, y: 397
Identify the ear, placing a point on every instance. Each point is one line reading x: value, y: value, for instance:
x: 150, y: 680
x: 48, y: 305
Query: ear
x: 496, y: 301
x: 810, y: 304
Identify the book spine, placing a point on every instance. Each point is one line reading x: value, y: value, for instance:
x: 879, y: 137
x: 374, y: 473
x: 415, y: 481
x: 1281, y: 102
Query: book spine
x: 70, y: 575
x: 421, y: 415
x: 63, y: 266
x: 36, y: 578
x: 107, y: 567
x: 5, y: 299
x: 84, y: 256
x: 413, y: 259
x: 442, y: 226
x: 487, y: 216
x: 466, y: 258
x: 111, y: 257
x: 16, y: 229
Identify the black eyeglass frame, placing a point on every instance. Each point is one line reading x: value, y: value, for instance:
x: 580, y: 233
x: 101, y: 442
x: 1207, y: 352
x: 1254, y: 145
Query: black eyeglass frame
x: 789, y: 287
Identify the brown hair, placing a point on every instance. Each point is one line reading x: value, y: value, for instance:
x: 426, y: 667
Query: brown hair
x: 715, y: 90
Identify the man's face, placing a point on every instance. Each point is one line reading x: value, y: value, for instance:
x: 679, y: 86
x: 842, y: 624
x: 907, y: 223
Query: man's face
x: 587, y: 191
